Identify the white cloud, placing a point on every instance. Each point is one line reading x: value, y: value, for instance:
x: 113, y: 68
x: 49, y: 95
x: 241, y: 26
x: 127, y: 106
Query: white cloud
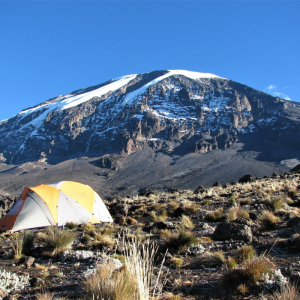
x: 272, y: 90
x: 271, y: 87
x: 281, y: 95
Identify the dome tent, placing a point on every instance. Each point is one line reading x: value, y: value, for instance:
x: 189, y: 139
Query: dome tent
x: 55, y: 204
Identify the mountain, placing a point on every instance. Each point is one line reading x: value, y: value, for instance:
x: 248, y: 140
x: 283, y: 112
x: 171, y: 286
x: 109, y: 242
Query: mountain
x: 154, y: 130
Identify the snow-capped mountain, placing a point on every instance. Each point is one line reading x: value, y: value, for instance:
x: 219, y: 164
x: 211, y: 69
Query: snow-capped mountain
x: 172, y: 112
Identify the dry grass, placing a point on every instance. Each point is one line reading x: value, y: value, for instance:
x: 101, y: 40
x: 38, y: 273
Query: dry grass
x: 179, y: 240
x: 250, y: 272
x: 276, y: 203
x: 106, y: 285
x: 189, y: 207
x: 162, y: 217
x: 215, y: 215
x: 176, y: 262
x: 102, y: 240
x: 244, y: 253
x: 55, y: 240
x: 289, y: 291
x: 23, y: 244
x: 132, y: 281
x: 267, y: 220
x: 236, y: 211
x: 186, y: 222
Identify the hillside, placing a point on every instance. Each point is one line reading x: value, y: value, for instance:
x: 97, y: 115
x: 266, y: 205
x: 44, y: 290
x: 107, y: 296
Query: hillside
x: 230, y: 233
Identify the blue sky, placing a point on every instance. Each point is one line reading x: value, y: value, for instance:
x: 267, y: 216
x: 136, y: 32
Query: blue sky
x: 49, y: 48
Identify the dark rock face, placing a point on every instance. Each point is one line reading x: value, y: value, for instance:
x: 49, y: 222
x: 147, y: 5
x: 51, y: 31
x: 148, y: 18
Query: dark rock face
x: 7, y: 201
x: 231, y: 230
x: 164, y: 112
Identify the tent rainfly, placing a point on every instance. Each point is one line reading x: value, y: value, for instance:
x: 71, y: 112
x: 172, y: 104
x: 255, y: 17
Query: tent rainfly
x: 55, y: 204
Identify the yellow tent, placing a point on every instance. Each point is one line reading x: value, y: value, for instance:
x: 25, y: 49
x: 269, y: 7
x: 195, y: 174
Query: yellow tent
x: 56, y: 204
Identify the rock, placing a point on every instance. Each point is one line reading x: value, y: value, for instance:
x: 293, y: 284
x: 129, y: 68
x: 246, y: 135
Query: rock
x: 164, y: 225
x: 246, y: 178
x: 290, y: 215
x: 199, y: 189
x: 37, y: 282
x: 172, y: 191
x: 179, y: 211
x: 217, y: 184
x: 231, y: 230
x: 121, y: 209
x: 296, y: 169
x: 29, y: 261
x: 9, y: 297
x: 195, y: 250
x: 243, y: 221
x: 253, y: 216
x: 295, y: 221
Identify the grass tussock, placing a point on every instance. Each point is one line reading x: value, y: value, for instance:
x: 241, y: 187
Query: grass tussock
x: 179, y: 240
x: 55, y: 240
x: 250, y: 272
x: 162, y: 217
x: 71, y: 225
x: 186, y: 222
x: 276, y: 203
x: 289, y: 291
x: 132, y: 281
x: 267, y: 220
x: 176, y: 262
x: 189, y: 207
x: 244, y: 253
x: 215, y: 215
x: 236, y: 211
x: 23, y: 244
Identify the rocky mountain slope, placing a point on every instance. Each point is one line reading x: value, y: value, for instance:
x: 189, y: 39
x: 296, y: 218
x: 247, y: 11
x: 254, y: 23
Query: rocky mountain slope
x: 237, y: 241
x: 179, y: 127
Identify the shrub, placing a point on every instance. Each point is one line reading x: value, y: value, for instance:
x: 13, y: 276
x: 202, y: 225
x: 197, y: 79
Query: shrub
x: 55, y: 240
x: 215, y: 215
x: 267, y: 220
x: 23, y: 244
x: 244, y: 253
x: 179, y: 240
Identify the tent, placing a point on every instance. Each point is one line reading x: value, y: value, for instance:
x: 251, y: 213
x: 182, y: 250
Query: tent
x: 55, y: 204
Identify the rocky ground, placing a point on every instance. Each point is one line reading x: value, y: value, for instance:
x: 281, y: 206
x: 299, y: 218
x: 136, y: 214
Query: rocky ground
x: 218, y: 242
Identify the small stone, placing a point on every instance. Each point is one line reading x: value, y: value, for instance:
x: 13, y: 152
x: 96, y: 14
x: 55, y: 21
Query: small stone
x: 29, y: 261
x: 36, y: 282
